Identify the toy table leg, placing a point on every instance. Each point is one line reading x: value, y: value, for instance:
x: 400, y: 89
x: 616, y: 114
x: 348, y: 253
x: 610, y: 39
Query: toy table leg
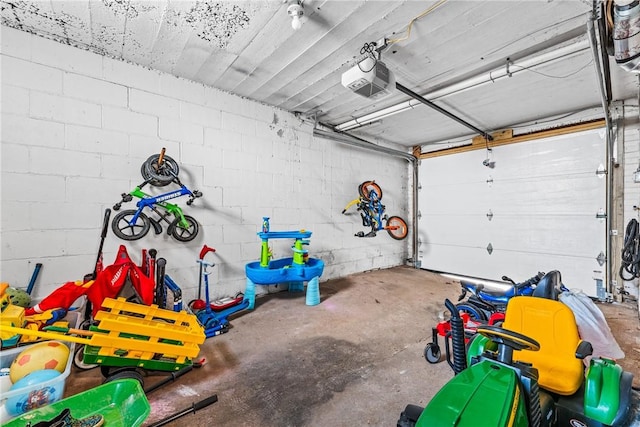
x: 296, y: 286
x: 313, y: 292
x: 250, y: 294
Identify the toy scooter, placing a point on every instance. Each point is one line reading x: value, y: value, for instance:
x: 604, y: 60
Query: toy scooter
x: 214, y: 323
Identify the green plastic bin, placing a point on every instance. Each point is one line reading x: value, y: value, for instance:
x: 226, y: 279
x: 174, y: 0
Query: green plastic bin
x: 122, y: 403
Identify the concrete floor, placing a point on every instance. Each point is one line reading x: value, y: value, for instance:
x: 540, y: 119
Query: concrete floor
x: 356, y: 358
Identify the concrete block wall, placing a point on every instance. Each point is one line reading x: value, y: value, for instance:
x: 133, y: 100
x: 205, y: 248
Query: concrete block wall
x: 77, y: 126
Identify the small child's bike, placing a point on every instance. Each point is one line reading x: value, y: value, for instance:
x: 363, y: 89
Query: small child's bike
x: 372, y: 212
x: 133, y: 224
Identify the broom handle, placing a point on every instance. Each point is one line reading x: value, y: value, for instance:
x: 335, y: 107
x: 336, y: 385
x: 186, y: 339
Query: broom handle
x: 43, y: 334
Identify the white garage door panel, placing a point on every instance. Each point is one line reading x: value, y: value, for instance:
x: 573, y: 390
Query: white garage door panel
x: 454, y: 230
x: 543, y: 197
x: 476, y: 262
x: 473, y: 201
x: 562, y: 195
x: 551, y: 236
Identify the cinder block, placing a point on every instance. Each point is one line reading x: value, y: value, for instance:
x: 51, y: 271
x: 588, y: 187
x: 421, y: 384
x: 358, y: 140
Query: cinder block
x: 66, y: 57
x: 223, y: 139
x: 76, y: 242
x: 28, y: 131
x: 210, y: 157
x: 118, y: 167
x: 239, y: 160
x: 66, y: 214
x: 234, y: 197
x: 179, y: 88
x: 152, y: 104
x: 95, y: 90
x: 177, y: 130
x: 289, y: 215
x: 38, y: 247
x: 270, y: 164
x: 82, y: 138
x: 48, y: 161
x: 129, y: 121
x: 131, y: 75
x: 233, y: 233
x: 268, y: 114
x: 41, y: 187
x: 14, y: 158
x: 15, y: 100
x: 228, y: 102
x: 236, y: 123
x: 261, y: 146
x: 225, y: 178
x: 15, y: 216
x: 144, y: 146
x: 91, y: 190
x: 15, y: 43
x: 30, y: 75
x: 66, y: 110
x: 200, y: 114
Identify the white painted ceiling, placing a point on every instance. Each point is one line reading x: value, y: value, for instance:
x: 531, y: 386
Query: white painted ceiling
x: 249, y: 47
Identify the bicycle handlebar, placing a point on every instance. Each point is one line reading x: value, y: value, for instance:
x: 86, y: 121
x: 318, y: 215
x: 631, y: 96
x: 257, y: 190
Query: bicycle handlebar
x: 205, y: 250
x: 531, y: 281
x: 194, y: 195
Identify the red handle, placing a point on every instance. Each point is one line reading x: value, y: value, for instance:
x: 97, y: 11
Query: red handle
x: 205, y: 250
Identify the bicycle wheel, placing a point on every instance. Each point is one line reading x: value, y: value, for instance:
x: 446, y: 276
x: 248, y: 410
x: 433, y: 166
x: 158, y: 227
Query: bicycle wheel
x: 181, y: 233
x: 366, y: 187
x: 474, y: 312
x: 147, y: 177
x: 397, y: 227
x: 126, y: 231
x: 165, y: 172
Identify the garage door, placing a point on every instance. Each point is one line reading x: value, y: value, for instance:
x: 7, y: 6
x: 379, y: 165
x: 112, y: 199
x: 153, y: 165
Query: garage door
x: 540, y: 207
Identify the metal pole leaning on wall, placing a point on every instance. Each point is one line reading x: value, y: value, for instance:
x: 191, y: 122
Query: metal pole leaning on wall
x: 354, y: 141
x: 609, y: 141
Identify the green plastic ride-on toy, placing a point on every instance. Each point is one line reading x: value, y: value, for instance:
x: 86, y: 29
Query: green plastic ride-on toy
x: 529, y: 372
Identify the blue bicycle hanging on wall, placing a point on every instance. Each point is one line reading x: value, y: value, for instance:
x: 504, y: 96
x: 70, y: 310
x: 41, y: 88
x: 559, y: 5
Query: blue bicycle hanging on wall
x: 373, y: 215
x: 133, y: 224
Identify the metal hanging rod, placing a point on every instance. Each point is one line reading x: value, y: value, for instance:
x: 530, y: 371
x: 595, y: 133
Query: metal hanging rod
x: 426, y: 102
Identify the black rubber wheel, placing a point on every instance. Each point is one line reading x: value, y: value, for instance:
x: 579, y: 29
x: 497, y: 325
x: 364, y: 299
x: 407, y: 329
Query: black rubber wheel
x: 397, y: 227
x: 474, y: 312
x: 163, y: 173
x: 409, y: 417
x: 184, y: 234
x: 78, y: 360
x: 149, y: 179
x: 121, y: 227
x: 125, y: 374
x: 432, y: 353
x: 366, y: 187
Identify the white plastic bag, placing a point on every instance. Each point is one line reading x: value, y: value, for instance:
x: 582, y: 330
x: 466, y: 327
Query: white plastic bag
x: 592, y: 325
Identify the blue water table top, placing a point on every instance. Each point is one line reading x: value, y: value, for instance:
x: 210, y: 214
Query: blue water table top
x: 301, y: 234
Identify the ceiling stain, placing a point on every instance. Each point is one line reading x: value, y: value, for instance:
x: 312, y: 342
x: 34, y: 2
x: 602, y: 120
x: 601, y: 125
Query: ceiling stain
x: 217, y: 22
x: 121, y: 7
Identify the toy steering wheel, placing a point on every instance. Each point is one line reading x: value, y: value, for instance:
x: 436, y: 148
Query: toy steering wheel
x: 509, y: 338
